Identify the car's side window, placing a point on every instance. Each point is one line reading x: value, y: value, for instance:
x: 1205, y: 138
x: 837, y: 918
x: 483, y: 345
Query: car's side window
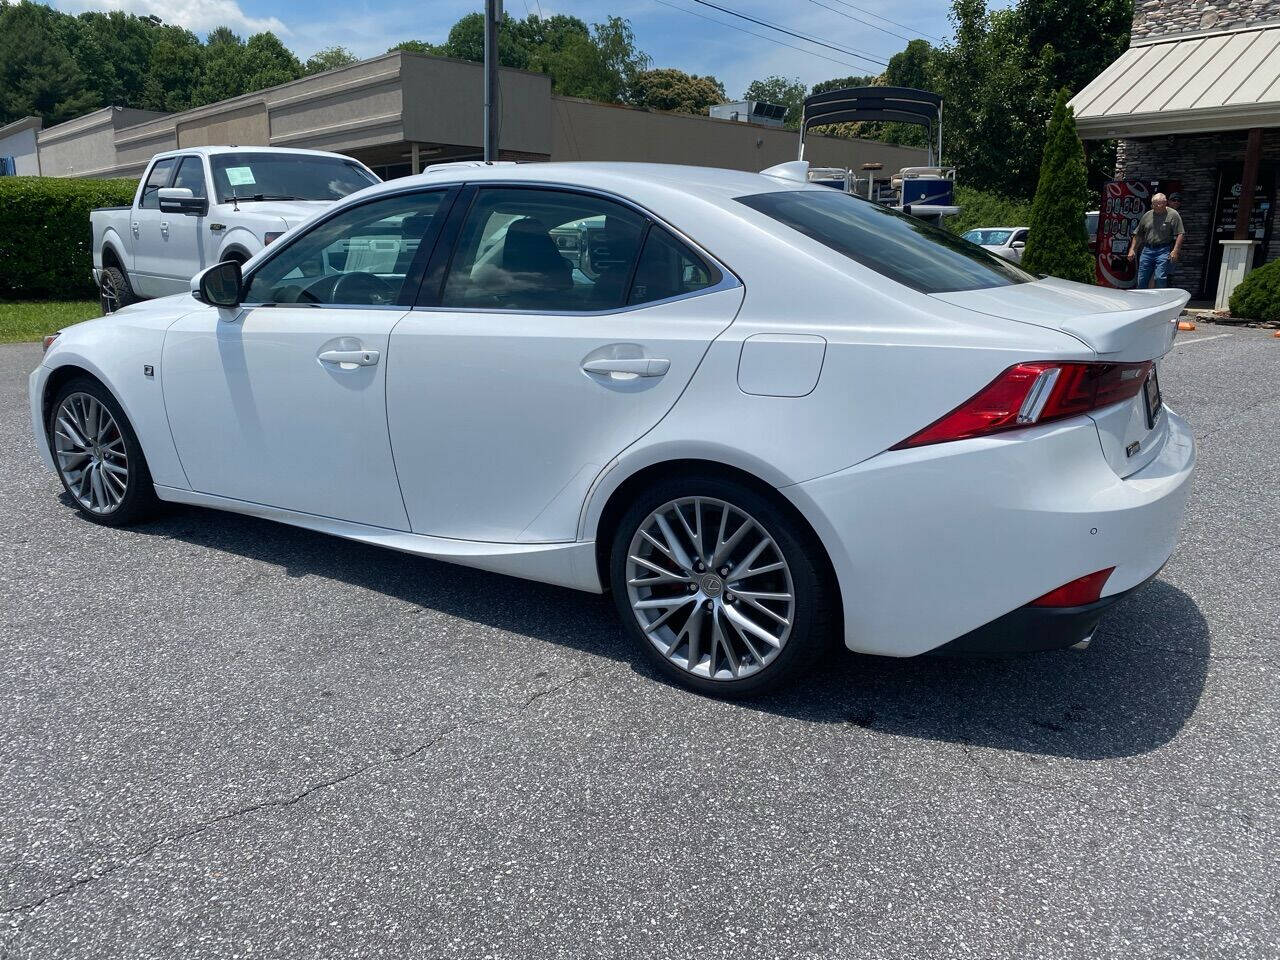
x: 1020, y: 237
x: 668, y: 268
x: 191, y: 176
x: 359, y: 257
x: 548, y: 250
x: 157, y: 178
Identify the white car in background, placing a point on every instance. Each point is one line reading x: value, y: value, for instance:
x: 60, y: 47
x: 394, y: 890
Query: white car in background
x: 199, y: 206
x: 1006, y: 242
x: 759, y: 412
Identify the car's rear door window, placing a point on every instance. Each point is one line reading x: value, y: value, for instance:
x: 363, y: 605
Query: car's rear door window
x: 553, y: 251
x: 902, y: 248
x: 668, y: 268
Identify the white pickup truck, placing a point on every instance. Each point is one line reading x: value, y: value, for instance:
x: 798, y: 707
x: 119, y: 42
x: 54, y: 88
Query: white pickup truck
x: 200, y: 206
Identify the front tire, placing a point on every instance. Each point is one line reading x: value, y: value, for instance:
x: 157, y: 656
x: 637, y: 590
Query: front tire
x: 724, y: 589
x: 98, y: 456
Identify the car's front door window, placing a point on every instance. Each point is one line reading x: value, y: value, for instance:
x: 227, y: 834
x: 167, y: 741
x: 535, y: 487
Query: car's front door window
x: 360, y: 257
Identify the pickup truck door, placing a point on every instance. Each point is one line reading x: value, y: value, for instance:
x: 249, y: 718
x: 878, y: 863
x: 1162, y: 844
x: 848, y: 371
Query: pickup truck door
x: 147, y: 272
x: 282, y: 401
x: 182, y: 252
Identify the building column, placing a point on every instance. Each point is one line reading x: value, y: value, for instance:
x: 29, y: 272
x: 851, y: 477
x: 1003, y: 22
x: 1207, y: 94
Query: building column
x: 415, y: 161
x: 1237, y: 253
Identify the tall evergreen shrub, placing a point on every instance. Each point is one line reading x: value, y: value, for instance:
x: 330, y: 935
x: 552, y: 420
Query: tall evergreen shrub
x: 1057, y: 244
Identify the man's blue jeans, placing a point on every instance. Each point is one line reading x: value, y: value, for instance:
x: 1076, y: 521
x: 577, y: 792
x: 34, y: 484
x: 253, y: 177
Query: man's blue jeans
x: 1153, y: 262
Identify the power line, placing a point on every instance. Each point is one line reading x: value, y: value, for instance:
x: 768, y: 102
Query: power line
x: 865, y: 23
x: 848, y: 52
x: 761, y: 36
x: 879, y: 16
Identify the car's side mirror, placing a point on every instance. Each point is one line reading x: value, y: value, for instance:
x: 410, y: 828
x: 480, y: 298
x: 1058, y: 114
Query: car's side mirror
x: 1018, y: 244
x: 182, y: 200
x: 219, y: 285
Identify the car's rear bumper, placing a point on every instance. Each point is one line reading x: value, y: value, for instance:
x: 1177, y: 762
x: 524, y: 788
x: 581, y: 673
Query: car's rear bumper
x: 1032, y: 629
x: 933, y: 543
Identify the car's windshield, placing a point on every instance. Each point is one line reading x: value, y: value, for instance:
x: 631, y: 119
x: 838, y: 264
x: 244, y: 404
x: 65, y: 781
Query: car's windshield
x: 991, y: 238
x: 286, y: 176
x: 905, y: 249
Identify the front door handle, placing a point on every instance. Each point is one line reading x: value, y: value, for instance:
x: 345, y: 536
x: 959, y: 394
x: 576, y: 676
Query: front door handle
x: 164, y: 227
x: 638, y: 367
x: 356, y: 358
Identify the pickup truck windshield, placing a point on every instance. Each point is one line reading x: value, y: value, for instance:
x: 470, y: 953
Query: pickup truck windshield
x: 285, y: 176
x: 902, y: 248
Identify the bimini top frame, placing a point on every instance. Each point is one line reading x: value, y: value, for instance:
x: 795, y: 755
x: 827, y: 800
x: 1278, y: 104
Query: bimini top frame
x: 896, y: 104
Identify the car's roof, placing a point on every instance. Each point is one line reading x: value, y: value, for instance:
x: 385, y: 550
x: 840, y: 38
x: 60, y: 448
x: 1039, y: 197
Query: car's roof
x: 617, y: 176
x: 972, y: 229
x: 249, y: 148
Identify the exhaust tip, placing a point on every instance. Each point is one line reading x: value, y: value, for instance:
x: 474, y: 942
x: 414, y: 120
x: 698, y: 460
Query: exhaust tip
x: 1084, y: 644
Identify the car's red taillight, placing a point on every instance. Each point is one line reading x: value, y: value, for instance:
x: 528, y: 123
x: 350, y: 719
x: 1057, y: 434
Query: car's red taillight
x: 1030, y: 393
x: 1077, y: 593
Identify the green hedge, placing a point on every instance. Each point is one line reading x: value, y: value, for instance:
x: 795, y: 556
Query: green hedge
x: 46, y: 248
x: 1258, y: 297
x: 981, y: 209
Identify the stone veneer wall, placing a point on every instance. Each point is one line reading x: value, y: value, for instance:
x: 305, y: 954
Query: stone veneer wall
x: 1153, y: 18
x: 1194, y: 159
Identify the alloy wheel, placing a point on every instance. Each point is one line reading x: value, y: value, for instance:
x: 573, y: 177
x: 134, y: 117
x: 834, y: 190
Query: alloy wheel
x: 710, y: 588
x: 91, y: 453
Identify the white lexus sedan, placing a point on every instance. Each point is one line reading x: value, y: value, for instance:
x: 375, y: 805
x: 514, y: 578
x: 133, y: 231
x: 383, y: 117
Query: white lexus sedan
x: 761, y: 413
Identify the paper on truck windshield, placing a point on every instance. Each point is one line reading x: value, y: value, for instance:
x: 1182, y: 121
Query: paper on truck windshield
x: 240, y: 176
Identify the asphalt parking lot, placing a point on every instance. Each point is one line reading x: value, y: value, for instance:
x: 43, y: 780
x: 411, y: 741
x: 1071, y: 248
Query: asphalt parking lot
x: 228, y: 738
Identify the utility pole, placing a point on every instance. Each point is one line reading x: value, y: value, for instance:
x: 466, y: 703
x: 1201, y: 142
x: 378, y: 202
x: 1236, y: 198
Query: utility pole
x: 492, y: 19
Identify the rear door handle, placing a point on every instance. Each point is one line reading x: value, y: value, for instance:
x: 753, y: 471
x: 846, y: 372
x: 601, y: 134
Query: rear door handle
x: 639, y: 367
x: 134, y: 224
x: 358, y: 358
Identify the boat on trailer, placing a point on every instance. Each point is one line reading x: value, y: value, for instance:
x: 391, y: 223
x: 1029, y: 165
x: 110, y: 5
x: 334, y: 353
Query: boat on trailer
x: 928, y: 191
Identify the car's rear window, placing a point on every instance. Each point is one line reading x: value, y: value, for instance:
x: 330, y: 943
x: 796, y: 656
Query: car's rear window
x: 902, y: 248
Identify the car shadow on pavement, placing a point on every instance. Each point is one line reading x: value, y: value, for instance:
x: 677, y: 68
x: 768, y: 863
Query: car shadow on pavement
x: 1128, y: 694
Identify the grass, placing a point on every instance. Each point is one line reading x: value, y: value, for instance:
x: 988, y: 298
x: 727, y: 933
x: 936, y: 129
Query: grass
x: 22, y: 322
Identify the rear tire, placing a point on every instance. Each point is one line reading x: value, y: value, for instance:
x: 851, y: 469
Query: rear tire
x: 745, y: 611
x: 114, y: 291
x: 98, y: 457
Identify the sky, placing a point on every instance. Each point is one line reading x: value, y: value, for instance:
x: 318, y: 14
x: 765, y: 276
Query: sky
x: 675, y: 33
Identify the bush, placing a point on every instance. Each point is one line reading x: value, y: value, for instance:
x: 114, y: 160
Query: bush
x: 981, y: 209
x: 1057, y: 244
x: 1258, y: 296
x: 46, y: 247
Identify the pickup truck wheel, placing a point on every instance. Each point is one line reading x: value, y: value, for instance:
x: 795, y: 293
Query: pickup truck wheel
x: 114, y: 291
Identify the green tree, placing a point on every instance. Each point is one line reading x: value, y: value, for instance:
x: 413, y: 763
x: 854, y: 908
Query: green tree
x: 789, y: 93
x: 330, y: 58
x: 997, y: 96
x: 176, y: 69
x: 225, y: 68
x: 39, y: 74
x: 269, y: 62
x: 418, y: 46
x: 1057, y: 244
x: 670, y: 89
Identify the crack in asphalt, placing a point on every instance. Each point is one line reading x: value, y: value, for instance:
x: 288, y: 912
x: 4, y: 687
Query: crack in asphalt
x: 23, y: 911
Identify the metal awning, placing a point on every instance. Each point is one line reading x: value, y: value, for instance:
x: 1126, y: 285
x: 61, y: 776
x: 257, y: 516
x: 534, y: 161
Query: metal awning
x: 1201, y: 83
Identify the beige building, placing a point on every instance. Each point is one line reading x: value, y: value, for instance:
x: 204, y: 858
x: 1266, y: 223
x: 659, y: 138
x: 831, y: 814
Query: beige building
x: 401, y: 111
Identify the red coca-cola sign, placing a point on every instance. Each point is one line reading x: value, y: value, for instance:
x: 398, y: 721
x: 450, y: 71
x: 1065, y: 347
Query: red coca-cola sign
x: 1123, y: 204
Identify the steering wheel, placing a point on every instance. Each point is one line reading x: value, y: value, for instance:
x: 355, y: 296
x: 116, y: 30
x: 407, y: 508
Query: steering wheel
x: 364, y: 288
